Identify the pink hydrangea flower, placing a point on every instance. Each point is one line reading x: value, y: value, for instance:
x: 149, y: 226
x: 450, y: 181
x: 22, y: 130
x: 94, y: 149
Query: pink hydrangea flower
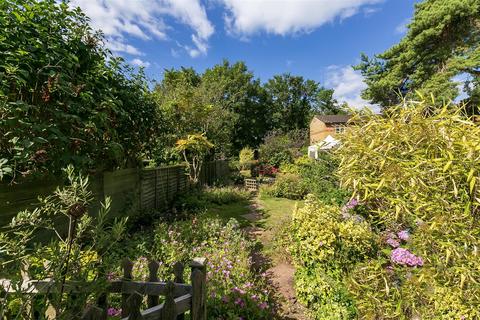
x: 112, y: 312
x: 403, y: 235
x: 404, y: 257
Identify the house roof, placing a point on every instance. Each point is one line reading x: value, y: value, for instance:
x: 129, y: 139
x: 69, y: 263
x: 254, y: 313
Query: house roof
x: 334, y: 118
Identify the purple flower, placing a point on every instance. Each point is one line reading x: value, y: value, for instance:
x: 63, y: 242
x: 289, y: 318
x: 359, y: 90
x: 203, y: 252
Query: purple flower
x: 352, y: 203
x: 240, y: 291
x: 404, y: 257
x: 403, y: 235
x: 225, y: 299
x: 111, y: 312
x: 263, y: 305
x: 393, y: 243
x: 240, y: 302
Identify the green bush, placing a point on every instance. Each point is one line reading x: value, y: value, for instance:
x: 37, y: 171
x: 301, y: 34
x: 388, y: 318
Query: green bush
x: 320, y: 177
x: 63, y: 98
x: 81, y: 255
x: 325, y: 245
x: 235, y: 289
x: 198, y: 200
x: 307, y: 175
x: 287, y: 185
x: 246, y: 158
x: 417, y: 169
x: 324, y: 294
x: 279, y: 148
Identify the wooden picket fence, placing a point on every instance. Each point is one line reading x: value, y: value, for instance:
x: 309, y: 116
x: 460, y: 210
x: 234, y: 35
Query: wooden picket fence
x: 179, y: 297
x: 251, y: 184
x: 254, y: 184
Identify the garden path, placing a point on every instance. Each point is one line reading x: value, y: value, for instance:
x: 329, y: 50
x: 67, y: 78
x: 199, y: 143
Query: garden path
x: 281, y: 272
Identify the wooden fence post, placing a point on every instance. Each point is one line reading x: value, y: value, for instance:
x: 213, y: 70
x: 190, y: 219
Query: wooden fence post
x: 198, y: 309
x: 93, y: 313
x: 134, y: 304
x: 178, y: 272
x: 127, y: 266
x: 169, y: 310
x: 153, y: 266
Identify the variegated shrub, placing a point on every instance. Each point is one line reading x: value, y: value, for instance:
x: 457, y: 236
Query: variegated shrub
x: 417, y: 168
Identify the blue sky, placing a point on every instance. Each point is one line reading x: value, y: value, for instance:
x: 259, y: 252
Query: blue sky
x: 317, y: 39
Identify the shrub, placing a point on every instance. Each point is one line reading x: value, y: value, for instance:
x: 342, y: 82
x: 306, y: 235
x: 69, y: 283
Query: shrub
x: 326, y: 243
x: 80, y: 256
x: 63, y: 98
x: 320, y: 177
x: 235, y: 290
x: 246, y: 158
x: 416, y: 169
x: 287, y: 185
x: 323, y: 235
x: 307, y: 175
x: 324, y: 294
x: 279, y: 148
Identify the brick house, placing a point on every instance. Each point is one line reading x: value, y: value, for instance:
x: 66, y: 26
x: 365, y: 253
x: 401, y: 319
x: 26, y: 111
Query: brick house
x: 322, y: 126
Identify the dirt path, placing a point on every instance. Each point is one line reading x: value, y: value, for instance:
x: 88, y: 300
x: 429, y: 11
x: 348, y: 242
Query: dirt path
x: 281, y: 273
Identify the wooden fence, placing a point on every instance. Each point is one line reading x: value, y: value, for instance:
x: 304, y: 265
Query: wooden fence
x: 254, y: 184
x: 251, y: 184
x: 129, y: 189
x: 179, y: 297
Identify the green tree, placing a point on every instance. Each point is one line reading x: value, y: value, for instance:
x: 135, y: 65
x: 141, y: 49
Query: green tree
x: 442, y: 42
x: 225, y: 103
x: 234, y: 88
x: 188, y: 107
x: 295, y: 100
x: 194, y: 148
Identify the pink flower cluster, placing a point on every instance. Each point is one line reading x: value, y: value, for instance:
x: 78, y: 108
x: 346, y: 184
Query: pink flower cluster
x: 404, y: 257
x: 393, y: 239
x: 112, y: 312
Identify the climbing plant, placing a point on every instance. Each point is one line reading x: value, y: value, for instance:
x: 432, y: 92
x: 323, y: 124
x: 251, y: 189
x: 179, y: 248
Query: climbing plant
x: 63, y: 97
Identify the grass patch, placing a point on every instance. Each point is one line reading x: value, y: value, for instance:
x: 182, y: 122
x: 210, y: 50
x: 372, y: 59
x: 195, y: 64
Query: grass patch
x: 234, y: 210
x: 277, y: 214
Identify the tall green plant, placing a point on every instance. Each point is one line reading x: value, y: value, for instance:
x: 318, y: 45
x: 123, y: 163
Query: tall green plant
x: 77, y: 255
x: 416, y: 169
x: 194, y: 149
x: 63, y: 98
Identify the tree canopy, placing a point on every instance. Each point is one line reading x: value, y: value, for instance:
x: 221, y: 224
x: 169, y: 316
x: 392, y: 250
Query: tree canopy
x: 233, y: 108
x: 295, y: 100
x: 441, y: 46
x: 63, y: 98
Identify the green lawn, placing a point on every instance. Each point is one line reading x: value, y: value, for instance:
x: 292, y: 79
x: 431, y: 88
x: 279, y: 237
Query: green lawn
x: 231, y: 210
x: 277, y: 210
x: 277, y: 214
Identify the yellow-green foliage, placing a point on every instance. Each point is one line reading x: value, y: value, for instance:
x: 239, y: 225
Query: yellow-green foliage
x: 417, y: 168
x: 322, y: 236
x: 324, y: 246
x: 246, y: 158
x: 414, y: 165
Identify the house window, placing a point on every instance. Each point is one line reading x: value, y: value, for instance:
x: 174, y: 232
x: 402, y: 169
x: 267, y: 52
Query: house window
x: 339, y: 128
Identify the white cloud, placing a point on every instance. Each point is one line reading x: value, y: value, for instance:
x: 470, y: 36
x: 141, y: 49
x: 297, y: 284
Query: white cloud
x: 283, y: 17
x: 402, y: 27
x: 117, y: 45
x: 140, y: 63
x: 348, y: 85
x: 369, y: 11
x: 144, y: 19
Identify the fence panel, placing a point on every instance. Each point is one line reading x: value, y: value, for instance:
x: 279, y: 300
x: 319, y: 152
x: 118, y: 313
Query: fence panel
x: 148, y: 189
